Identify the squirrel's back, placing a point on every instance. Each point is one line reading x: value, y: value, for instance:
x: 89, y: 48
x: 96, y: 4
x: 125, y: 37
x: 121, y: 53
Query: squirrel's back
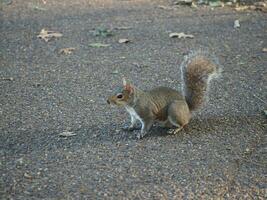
x: 197, y: 73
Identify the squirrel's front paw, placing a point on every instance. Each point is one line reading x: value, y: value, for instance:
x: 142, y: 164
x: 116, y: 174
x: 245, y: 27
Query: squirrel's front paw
x: 140, y: 135
x: 128, y: 128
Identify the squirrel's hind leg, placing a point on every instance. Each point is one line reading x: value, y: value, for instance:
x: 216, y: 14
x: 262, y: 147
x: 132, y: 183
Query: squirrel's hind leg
x: 179, y: 114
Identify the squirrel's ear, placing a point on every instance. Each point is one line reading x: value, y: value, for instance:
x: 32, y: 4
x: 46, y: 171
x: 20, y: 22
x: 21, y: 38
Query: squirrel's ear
x: 124, y: 82
x: 129, y: 87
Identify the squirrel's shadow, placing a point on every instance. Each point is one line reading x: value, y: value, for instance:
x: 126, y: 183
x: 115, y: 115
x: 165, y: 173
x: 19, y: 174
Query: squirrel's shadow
x: 202, y: 126
x: 198, y: 126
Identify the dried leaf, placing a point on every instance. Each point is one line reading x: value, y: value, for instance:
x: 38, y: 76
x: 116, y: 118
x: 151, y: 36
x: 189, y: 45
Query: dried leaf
x: 48, y: 35
x: 98, y: 45
x: 67, y: 134
x: 66, y: 51
x: 215, y: 3
x: 183, y: 2
x: 37, y: 7
x: 103, y: 32
x: 8, y: 79
x: 264, y: 50
x: 241, y: 8
x: 194, y: 5
x: 124, y: 40
x: 180, y: 35
x: 236, y: 24
x: 252, y: 7
x: 166, y: 7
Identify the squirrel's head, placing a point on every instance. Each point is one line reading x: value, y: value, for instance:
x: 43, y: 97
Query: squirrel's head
x: 123, y: 96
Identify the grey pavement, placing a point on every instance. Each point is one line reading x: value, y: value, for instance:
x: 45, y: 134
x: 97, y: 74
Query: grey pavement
x: 222, y: 154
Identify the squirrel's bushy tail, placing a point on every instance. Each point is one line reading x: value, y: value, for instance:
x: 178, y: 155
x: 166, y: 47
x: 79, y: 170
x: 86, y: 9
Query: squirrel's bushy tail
x: 197, y: 71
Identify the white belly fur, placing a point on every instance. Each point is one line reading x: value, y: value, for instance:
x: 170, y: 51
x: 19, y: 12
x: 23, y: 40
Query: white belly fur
x: 133, y: 114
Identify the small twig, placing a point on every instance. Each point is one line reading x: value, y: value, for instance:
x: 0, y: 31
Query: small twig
x: 259, y: 98
x: 122, y: 28
x: 261, y: 164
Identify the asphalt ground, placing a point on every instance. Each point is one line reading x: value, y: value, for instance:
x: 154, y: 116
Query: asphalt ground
x: 222, y: 154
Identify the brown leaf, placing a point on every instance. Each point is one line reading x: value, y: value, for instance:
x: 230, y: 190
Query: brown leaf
x: 242, y: 8
x: 180, y: 35
x: 124, y: 40
x: 66, y: 51
x: 48, y: 35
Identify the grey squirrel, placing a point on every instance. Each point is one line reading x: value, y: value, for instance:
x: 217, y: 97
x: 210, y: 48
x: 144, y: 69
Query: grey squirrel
x: 167, y: 105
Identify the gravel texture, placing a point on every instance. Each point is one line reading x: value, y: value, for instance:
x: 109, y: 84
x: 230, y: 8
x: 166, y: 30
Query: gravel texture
x: 222, y: 154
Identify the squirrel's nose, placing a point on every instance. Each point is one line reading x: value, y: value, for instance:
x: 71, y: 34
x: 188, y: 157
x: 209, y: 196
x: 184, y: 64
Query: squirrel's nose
x: 108, y: 101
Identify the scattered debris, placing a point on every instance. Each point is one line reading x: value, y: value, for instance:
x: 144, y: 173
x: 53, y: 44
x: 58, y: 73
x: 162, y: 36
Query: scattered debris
x: 48, y: 35
x: 115, y: 72
x: 229, y: 3
x: 247, y: 151
x: 264, y: 50
x: 20, y: 160
x: 261, y: 6
x: 236, y: 24
x: 140, y: 66
x: 37, y: 7
x: 137, y: 65
x: 259, y: 98
x: 180, y: 35
x: 67, y: 134
x: 66, y: 51
x: 28, y: 176
x: 37, y: 84
x: 166, y: 7
x: 194, y: 5
x: 98, y: 45
x: 124, y: 40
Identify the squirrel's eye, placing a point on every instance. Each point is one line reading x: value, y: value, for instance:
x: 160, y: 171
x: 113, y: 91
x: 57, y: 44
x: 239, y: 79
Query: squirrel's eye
x: 119, y: 96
